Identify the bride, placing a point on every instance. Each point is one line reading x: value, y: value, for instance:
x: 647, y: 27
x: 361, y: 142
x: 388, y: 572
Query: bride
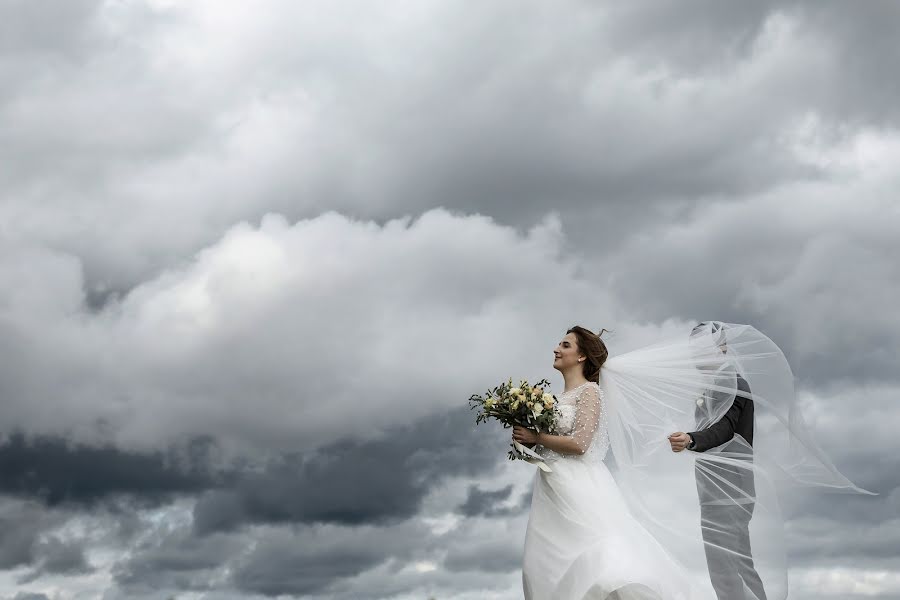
x: 655, y: 524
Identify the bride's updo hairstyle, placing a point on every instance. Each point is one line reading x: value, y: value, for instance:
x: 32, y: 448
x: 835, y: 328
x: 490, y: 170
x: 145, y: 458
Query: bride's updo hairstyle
x: 593, y: 348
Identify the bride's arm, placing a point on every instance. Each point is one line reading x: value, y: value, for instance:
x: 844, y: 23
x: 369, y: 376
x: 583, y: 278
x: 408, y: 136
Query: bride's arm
x: 587, y: 417
x: 564, y: 444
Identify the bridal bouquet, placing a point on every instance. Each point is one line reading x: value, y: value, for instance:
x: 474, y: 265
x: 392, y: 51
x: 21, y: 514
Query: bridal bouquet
x: 525, y: 405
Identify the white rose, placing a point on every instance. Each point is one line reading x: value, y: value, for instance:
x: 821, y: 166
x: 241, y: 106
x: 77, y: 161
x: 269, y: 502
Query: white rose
x: 538, y: 408
x: 699, y: 401
x: 515, y: 391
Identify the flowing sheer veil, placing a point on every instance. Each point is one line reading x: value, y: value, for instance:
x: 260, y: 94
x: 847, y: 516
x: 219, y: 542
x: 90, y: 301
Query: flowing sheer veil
x: 693, y: 502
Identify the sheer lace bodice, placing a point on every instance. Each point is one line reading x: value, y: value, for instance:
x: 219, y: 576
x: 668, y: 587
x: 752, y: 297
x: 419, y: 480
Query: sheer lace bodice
x: 580, y: 414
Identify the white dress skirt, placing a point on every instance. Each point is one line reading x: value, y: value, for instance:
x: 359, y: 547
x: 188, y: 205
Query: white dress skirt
x: 582, y: 543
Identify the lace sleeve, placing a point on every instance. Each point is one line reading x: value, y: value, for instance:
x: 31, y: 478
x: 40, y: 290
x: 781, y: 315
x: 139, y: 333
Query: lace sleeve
x: 587, y: 416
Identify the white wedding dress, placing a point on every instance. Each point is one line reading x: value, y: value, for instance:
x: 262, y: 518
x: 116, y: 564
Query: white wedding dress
x: 582, y: 543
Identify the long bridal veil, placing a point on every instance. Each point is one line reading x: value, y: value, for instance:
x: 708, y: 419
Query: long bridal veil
x: 717, y: 511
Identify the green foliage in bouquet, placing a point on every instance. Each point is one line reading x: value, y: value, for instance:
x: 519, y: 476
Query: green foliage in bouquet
x: 524, y: 404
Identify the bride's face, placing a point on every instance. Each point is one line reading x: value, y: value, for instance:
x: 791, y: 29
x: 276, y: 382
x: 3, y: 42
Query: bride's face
x: 566, y: 353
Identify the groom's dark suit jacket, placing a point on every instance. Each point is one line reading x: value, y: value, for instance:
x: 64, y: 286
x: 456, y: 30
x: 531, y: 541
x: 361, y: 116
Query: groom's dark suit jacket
x: 738, y: 420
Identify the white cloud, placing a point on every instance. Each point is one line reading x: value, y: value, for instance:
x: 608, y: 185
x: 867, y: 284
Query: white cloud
x: 287, y: 335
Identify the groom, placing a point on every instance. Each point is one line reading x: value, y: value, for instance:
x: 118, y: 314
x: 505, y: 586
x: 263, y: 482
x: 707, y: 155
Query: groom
x: 726, y: 490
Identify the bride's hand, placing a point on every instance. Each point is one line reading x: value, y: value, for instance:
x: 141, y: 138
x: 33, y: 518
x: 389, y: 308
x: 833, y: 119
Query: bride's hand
x: 524, y: 435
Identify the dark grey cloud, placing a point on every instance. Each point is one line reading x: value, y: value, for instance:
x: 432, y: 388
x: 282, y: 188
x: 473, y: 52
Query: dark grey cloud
x: 353, y: 483
x: 348, y: 482
x: 175, y: 559
x: 297, y: 569
x: 30, y: 548
x: 318, y: 560
x: 55, y: 556
x: 872, y: 472
x: 55, y: 471
x: 64, y: 557
x: 29, y: 596
x: 18, y: 541
x: 490, y: 503
x: 368, y: 495
x: 841, y: 530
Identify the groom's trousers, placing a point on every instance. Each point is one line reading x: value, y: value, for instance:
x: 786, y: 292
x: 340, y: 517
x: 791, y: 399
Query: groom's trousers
x: 726, y: 533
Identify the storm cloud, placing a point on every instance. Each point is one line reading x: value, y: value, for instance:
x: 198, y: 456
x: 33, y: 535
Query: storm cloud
x: 255, y: 258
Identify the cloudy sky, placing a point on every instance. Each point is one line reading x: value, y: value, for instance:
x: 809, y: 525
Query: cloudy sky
x: 254, y: 258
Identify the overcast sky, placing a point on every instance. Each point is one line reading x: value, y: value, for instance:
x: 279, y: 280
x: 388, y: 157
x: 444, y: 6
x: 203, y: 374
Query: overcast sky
x: 255, y: 257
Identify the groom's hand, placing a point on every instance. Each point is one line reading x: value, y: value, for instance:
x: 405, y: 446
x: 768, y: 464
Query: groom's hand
x: 679, y: 441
